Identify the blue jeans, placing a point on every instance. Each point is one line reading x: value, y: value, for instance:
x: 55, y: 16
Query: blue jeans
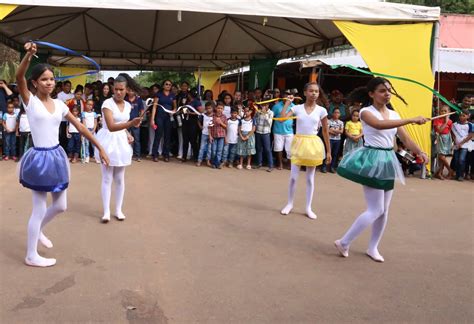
x: 335, y: 145
x: 135, y: 132
x: 460, y: 161
x: 10, y: 144
x: 86, y: 146
x: 204, y: 149
x: 74, y: 144
x: 217, y: 148
x: 229, y: 152
x: 263, y: 145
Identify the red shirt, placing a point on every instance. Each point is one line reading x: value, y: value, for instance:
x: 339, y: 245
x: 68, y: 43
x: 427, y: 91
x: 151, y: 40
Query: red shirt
x: 216, y: 130
x: 439, y: 122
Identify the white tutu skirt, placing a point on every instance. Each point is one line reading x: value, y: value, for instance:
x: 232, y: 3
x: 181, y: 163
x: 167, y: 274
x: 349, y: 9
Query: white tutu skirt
x: 116, y: 146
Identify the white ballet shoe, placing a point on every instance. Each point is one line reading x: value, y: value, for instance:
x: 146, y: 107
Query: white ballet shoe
x: 105, y: 219
x: 39, y: 261
x: 120, y: 216
x: 287, y: 209
x: 375, y: 255
x: 45, y: 241
x: 311, y: 214
x: 344, y: 252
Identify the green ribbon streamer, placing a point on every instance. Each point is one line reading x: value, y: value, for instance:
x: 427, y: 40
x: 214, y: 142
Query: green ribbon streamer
x: 436, y: 93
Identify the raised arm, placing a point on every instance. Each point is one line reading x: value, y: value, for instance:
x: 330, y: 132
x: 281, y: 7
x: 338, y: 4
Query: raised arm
x: 22, y: 85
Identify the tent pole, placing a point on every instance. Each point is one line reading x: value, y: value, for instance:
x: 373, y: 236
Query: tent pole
x: 272, y: 80
x: 437, y: 59
x: 243, y: 75
x: 238, y: 81
x: 219, y: 92
x: 199, y: 82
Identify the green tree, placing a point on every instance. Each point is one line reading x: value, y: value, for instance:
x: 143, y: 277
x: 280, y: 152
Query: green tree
x: 447, y: 6
x: 146, y: 79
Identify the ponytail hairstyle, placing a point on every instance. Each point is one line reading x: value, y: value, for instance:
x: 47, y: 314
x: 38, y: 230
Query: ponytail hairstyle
x: 131, y: 84
x: 322, y: 99
x: 361, y: 94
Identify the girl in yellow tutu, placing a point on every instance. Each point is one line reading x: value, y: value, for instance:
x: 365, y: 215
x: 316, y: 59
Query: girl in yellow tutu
x: 307, y: 149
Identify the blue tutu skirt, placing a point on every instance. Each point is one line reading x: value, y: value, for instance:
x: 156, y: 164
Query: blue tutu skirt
x: 44, y: 169
x: 373, y: 167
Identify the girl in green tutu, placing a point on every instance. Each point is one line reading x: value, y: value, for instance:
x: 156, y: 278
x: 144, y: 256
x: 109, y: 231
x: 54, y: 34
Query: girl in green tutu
x: 375, y: 165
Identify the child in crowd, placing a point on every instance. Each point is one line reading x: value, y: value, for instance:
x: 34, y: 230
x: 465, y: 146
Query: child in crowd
x: 442, y: 128
x: 89, y: 119
x: 263, y: 128
x: 204, y: 121
x: 9, y: 127
x: 77, y: 101
x: 462, y: 136
x: 17, y: 105
x: 336, y: 128
x: 74, y: 137
x: 246, y: 140
x: 231, y: 139
x: 217, y: 135
x: 227, y: 105
x: 354, y: 133
x: 23, y: 133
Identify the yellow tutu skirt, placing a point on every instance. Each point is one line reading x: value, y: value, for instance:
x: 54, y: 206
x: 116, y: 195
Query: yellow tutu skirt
x: 307, y: 150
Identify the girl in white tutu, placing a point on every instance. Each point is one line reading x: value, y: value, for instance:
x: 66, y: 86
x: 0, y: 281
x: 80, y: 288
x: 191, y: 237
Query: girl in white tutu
x: 375, y: 165
x: 45, y: 168
x: 116, y: 140
x: 307, y: 149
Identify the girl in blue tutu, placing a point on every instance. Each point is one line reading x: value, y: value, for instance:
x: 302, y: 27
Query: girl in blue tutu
x: 45, y: 168
x: 307, y: 149
x: 375, y: 165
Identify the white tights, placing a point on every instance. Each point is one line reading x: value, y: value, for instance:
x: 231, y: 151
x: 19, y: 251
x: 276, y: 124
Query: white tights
x: 378, y: 203
x: 295, y: 170
x: 40, y: 216
x: 116, y: 175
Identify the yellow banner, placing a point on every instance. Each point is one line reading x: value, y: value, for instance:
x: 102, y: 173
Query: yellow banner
x: 6, y: 9
x: 405, y: 51
x: 208, y: 79
x: 80, y: 80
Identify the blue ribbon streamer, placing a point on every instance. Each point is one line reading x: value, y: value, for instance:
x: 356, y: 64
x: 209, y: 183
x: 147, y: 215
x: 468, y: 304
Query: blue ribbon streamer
x: 70, y: 51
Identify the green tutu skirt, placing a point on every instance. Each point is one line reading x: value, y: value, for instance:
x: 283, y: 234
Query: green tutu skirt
x: 373, y: 167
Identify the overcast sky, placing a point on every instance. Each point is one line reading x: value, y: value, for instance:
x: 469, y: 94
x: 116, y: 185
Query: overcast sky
x: 114, y: 74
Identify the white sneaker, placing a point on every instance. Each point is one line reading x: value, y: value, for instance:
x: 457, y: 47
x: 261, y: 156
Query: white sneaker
x: 97, y: 161
x: 87, y: 159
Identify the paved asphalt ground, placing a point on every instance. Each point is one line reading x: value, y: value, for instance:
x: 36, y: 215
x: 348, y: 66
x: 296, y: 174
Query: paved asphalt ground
x: 209, y: 246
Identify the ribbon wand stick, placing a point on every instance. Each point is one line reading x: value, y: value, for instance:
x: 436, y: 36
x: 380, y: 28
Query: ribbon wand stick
x: 441, y: 116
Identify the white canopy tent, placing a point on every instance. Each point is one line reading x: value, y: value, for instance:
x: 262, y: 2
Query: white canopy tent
x: 186, y: 35
x: 451, y: 60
